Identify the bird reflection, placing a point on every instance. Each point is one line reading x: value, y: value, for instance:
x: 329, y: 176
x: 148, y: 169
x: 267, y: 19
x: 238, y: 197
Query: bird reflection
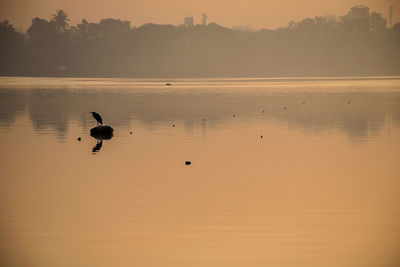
x: 98, y: 146
x: 100, y: 137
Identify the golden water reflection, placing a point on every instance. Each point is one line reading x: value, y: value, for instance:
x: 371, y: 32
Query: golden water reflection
x: 321, y: 188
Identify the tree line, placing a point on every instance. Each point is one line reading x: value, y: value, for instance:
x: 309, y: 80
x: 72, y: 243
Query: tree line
x: 357, y: 43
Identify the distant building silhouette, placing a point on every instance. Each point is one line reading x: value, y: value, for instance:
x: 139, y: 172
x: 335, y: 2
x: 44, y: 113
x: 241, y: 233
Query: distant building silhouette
x: 390, y: 15
x: 204, y: 19
x: 189, y: 21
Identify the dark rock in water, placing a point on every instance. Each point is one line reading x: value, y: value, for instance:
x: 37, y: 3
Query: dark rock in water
x: 188, y: 163
x: 79, y: 139
x: 102, y: 132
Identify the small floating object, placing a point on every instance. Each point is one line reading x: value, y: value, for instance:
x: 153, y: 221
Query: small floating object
x: 102, y: 132
x: 261, y: 137
x: 173, y: 125
x: 168, y: 84
x: 348, y: 102
x: 188, y: 162
x: 263, y: 111
x: 234, y: 115
x: 130, y: 132
x: 284, y: 107
x: 79, y: 139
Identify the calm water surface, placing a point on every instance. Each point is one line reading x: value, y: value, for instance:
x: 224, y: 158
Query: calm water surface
x: 320, y: 188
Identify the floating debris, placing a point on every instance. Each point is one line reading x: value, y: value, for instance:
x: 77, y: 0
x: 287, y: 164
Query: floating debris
x: 173, y: 125
x: 168, y: 84
x: 188, y: 162
x: 284, y: 107
x: 261, y: 137
x: 130, y: 132
x: 234, y: 115
x: 79, y: 139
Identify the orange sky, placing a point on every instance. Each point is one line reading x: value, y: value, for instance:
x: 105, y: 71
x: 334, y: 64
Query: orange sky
x: 257, y: 13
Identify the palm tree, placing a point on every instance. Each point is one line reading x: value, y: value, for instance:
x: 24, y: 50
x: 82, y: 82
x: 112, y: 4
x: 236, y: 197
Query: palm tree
x: 60, y: 19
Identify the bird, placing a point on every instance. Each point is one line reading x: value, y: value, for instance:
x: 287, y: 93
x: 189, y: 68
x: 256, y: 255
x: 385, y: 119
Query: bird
x: 97, y: 117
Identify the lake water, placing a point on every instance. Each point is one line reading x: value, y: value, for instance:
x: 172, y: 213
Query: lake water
x: 320, y: 188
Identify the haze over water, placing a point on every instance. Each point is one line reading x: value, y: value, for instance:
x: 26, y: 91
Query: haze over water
x: 320, y: 188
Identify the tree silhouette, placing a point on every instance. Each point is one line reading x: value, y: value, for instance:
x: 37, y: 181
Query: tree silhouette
x: 12, y: 48
x: 357, y: 19
x: 38, y: 28
x: 377, y: 23
x: 358, y: 43
x: 60, y: 20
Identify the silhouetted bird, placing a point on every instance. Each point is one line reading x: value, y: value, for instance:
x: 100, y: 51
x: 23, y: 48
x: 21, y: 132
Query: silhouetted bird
x: 97, y: 117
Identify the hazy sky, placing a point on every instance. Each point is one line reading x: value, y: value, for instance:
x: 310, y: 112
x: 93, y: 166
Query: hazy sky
x: 257, y: 13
